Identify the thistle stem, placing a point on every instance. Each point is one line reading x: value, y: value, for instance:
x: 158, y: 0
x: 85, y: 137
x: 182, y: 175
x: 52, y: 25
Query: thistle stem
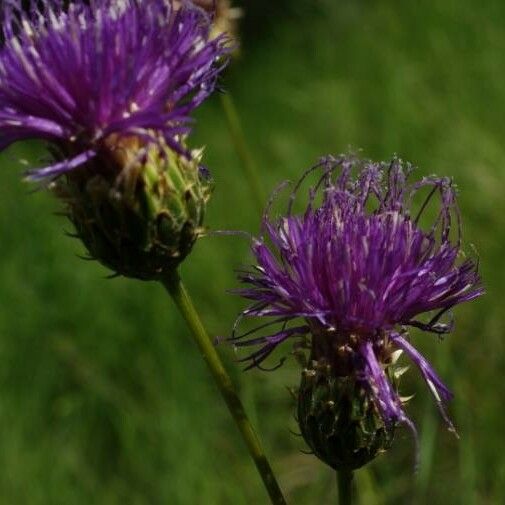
x: 240, y: 144
x: 181, y: 297
x: 345, y: 494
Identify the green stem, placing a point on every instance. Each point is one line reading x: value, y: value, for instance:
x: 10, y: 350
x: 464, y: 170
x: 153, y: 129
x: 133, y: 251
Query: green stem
x: 223, y: 381
x: 345, y: 478
x: 240, y: 144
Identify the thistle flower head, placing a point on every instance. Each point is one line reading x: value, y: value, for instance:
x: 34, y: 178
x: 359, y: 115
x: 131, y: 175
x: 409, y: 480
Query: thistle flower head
x: 110, y: 85
x: 351, y: 275
x: 91, y: 77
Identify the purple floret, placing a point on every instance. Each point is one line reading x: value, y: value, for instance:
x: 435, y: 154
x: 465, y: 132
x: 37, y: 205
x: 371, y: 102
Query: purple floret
x: 87, y: 76
x: 359, y: 268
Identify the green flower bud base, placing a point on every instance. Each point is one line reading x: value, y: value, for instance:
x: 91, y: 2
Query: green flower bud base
x: 339, y: 420
x: 138, y: 217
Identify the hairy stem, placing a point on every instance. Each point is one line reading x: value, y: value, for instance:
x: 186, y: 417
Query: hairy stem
x: 179, y: 294
x: 345, y: 494
x: 240, y: 144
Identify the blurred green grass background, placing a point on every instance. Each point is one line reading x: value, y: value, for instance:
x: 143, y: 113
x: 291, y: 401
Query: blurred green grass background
x: 104, y: 398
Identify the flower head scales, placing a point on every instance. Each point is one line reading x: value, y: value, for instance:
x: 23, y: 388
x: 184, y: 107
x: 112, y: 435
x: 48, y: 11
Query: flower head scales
x: 358, y: 270
x: 224, y: 15
x: 94, y: 75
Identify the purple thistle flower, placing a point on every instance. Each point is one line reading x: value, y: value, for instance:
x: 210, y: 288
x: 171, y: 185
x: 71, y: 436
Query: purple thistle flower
x: 92, y: 76
x: 355, y: 272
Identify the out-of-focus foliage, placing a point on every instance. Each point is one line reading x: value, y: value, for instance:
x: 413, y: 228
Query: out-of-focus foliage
x: 103, y: 397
